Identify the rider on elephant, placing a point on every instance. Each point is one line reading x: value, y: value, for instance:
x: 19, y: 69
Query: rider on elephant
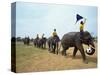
x: 55, y: 36
x: 42, y: 35
x: 82, y: 28
x: 37, y: 37
x: 54, y: 33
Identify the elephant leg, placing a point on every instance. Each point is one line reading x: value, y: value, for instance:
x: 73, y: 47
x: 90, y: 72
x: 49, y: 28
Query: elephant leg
x: 74, y: 52
x: 54, y: 48
x: 64, y: 51
x: 45, y: 45
x: 42, y: 45
x: 49, y: 47
x: 80, y: 47
x: 57, y: 47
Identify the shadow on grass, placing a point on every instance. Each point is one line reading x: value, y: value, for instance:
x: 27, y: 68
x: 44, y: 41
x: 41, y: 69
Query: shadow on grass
x: 92, y: 59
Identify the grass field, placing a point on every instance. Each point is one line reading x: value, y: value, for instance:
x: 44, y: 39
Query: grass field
x: 32, y: 59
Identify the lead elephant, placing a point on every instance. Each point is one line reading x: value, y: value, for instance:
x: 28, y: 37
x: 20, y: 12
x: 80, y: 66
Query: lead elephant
x: 72, y: 39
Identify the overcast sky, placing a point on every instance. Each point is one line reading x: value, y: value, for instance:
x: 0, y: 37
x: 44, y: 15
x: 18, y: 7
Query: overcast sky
x: 32, y: 19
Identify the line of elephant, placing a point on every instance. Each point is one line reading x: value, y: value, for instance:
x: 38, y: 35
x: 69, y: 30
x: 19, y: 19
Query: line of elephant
x: 71, y: 39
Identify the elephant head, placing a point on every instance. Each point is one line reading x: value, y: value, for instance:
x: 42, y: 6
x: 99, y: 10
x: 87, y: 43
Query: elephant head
x: 87, y: 39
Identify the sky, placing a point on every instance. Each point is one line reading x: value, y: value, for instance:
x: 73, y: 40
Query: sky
x: 39, y: 18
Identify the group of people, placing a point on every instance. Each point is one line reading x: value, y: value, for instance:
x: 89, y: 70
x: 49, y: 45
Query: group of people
x: 54, y: 35
x: 82, y: 23
x: 37, y: 37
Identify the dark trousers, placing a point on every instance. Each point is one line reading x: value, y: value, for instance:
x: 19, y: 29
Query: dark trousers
x: 81, y: 34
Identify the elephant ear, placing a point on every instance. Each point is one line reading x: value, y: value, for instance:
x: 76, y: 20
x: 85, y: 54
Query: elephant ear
x: 78, y: 42
x: 87, y: 35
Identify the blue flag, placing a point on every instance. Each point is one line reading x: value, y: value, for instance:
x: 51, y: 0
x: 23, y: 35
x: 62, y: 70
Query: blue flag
x: 78, y: 17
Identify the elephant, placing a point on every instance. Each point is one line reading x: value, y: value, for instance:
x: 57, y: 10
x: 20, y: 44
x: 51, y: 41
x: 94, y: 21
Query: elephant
x: 26, y: 40
x: 35, y: 41
x: 40, y: 43
x: 43, y: 42
x: 53, y: 44
x: 72, y: 39
x: 49, y: 42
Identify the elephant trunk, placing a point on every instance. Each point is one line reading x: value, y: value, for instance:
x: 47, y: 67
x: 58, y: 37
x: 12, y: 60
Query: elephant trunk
x: 92, y: 44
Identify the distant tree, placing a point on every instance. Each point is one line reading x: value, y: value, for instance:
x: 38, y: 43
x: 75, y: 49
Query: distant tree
x: 18, y: 39
x: 31, y: 39
x: 95, y: 38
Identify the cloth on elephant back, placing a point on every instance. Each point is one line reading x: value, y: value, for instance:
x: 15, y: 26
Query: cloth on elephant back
x: 56, y: 38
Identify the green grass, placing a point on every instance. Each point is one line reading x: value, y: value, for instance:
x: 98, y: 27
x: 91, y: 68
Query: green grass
x: 24, y: 53
x: 30, y: 58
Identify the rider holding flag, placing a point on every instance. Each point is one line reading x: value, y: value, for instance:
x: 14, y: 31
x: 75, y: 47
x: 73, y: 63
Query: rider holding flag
x: 78, y: 17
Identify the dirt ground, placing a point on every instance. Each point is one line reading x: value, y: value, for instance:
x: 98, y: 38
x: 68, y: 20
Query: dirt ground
x: 32, y: 59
